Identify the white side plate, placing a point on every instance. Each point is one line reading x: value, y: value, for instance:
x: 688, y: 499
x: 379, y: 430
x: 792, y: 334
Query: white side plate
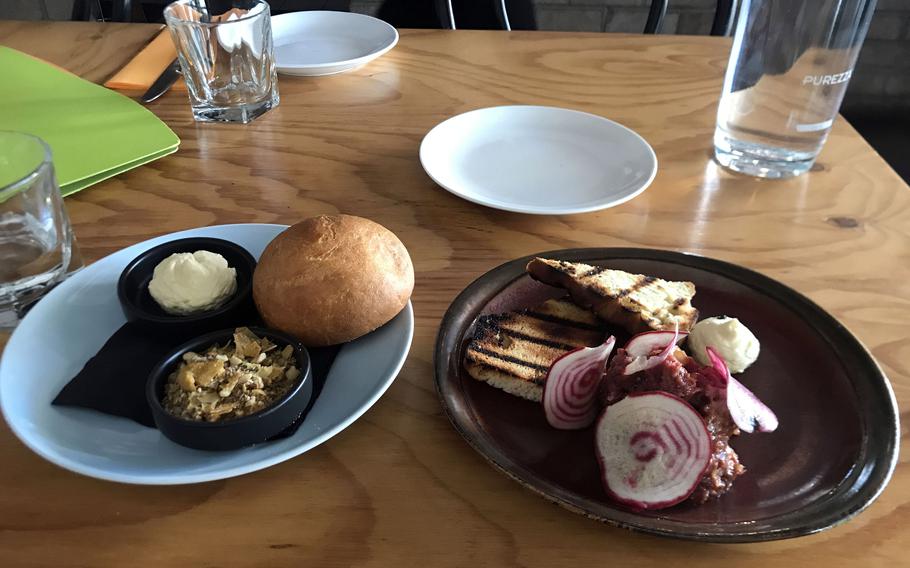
x: 324, y: 43
x: 539, y: 160
x: 71, y: 324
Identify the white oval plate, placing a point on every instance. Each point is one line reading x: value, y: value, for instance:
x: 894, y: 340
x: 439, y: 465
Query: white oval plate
x: 75, y: 319
x: 539, y: 160
x: 320, y: 42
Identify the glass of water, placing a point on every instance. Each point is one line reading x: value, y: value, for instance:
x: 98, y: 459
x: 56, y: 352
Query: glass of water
x: 37, y: 248
x: 788, y: 72
x: 227, y: 58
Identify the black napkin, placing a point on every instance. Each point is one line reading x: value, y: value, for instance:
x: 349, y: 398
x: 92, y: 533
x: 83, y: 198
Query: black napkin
x: 113, y: 381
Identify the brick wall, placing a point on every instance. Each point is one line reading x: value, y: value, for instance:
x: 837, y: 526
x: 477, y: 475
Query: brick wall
x: 881, y: 80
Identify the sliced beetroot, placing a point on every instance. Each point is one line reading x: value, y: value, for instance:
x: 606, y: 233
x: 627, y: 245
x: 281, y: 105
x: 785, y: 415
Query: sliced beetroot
x: 748, y: 412
x: 653, y: 449
x: 643, y: 346
x: 569, y: 394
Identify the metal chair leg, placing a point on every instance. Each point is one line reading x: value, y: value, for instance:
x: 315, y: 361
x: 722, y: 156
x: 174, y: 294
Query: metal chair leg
x: 724, y: 17
x: 656, y: 16
x: 122, y: 11
x: 502, y: 14
x: 445, y: 14
x: 86, y: 11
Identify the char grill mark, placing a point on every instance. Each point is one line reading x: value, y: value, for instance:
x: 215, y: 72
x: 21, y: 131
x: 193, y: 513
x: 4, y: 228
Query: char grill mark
x: 594, y: 271
x: 509, y: 359
x: 487, y: 327
x: 562, y: 321
x: 537, y: 340
x: 644, y: 282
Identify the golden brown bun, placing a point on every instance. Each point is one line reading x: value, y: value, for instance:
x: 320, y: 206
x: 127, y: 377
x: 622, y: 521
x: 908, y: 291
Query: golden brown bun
x: 332, y: 278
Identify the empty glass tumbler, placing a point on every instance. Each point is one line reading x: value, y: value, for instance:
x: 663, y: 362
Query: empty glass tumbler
x: 788, y: 72
x: 37, y: 248
x: 226, y: 56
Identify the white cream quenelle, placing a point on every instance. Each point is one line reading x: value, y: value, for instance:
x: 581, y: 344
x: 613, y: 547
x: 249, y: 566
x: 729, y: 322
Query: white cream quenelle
x: 186, y: 283
x: 729, y: 337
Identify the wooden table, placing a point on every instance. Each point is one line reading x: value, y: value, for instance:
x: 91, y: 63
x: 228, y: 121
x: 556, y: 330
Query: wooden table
x: 399, y: 487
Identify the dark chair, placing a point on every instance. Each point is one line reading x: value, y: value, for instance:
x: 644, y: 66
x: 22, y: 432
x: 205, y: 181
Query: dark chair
x: 722, y: 25
x: 469, y: 14
x: 87, y: 10
x: 122, y: 11
x: 152, y: 10
x: 656, y: 16
x: 119, y: 10
x: 129, y: 11
x: 724, y: 17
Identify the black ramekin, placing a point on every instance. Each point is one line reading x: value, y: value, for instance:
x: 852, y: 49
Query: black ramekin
x: 234, y: 433
x: 138, y: 304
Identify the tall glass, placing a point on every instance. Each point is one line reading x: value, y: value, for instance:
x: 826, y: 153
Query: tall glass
x: 788, y: 72
x: 227, y: 58
x: 37, y: 248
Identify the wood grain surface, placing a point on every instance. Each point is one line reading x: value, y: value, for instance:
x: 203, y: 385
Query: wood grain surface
x: 399, y: 487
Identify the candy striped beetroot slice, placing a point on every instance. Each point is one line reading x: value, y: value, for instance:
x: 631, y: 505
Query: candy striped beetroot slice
x: 569, y: 393
x: 653, y: 449
x: 651, y: 348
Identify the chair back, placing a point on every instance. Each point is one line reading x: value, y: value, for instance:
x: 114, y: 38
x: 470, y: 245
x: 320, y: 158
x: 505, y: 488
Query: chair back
x: 724, y: 15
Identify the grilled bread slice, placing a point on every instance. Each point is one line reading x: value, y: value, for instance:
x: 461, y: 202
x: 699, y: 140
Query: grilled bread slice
x: 634, y: 301
x: 513, y: 351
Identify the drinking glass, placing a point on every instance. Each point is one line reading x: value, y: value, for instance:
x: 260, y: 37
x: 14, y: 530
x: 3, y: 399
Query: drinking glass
x: 226, y: 56
x: 788, y: 72
x: 37, y: 247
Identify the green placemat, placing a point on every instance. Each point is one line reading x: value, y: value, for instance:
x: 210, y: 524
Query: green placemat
x: 94, y: 133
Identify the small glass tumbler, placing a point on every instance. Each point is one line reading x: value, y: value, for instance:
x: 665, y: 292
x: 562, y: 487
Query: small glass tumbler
x: 37, y: 248
x: 226, y: 56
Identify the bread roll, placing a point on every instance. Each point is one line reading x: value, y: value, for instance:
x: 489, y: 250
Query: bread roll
x: 332, y: 278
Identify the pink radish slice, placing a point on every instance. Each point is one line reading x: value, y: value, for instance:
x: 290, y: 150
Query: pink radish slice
x: 748, y: 412
x: 569, y: 393
x: 653, y: 449
x: 642, y: 347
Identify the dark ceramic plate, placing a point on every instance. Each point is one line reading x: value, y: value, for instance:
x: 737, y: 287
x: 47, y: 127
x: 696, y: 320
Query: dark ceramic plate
x: 833, y: 454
